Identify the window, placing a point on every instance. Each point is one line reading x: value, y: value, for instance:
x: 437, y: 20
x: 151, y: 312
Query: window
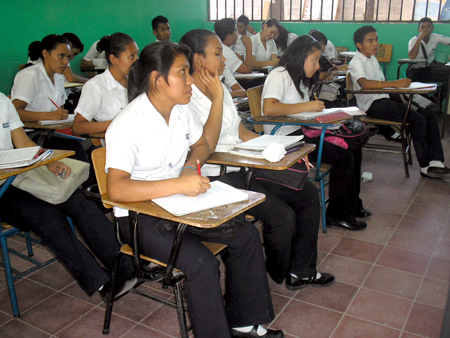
x: 331, y: 10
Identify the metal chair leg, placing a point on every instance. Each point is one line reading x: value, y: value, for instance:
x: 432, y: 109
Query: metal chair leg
x: 9, y: 277
x: 181, y: 313
x: 110, y: 302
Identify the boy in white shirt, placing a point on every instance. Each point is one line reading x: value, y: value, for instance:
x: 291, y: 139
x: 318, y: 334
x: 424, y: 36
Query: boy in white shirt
x: 243, y: 28
x: 366, y: 73
x: 161, y: 28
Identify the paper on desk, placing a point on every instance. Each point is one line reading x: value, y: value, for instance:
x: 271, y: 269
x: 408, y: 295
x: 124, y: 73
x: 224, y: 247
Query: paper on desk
x: 418, y: 85
x: 353, y: 111
x: 253, y: 75
x: 70, y: 118
x: 219, y: 194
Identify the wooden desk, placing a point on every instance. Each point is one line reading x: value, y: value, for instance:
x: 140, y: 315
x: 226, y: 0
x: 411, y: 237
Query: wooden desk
x: 47, y: 130
x: 401, y: 62
x: 251, y: 76
x: 68, y: 85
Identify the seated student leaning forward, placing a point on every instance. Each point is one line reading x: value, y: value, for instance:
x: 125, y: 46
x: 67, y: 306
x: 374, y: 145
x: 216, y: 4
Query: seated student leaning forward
x: 286, y: 92
x: 147, y: 144
x: 367, y: 74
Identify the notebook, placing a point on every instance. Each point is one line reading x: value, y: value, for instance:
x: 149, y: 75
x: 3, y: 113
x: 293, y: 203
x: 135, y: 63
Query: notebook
x: 23, y: 157
x: 70, y: 118
x: 353, y: 111
x: 261, y: 143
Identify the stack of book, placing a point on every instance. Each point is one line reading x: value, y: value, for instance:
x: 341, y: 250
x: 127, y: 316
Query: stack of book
x: 255, y: 147
x: 23, y: 157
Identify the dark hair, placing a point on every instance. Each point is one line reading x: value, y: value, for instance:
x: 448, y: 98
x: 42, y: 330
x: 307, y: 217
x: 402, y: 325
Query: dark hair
x: 282, y: 39
x: 421, y: 21
x: 361, y: 33
x: 115, y: 44
x: 318, y: 35
x: 101, y: 44
x: 196, y: 40
x: 49, y: 43
x: 243, y: 19
x: 224, y: 27
x: 157, y: 20
x: 75, y: 41
x: 158, y: 57
x: 272, y: 22
x: 294, y: 58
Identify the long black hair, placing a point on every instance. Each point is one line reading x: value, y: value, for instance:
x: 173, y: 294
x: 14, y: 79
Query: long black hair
x: 49, y: 43
x: 115, y: 44
x: 294, y: 58
x: 158, y: 56
x: 282, y: 39
x: 196, y: 40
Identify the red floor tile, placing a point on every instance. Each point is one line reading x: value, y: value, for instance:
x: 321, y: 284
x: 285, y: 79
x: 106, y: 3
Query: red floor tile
x: 373, y: 233
x: 433, y: 292
x: 360, y: 250
x: 413, y: 242
x: 425, y: 320
x: 346, y: 270
x: 421, y: 225
x: 442, y: 249
x: 404, y: 260
x: 428, y: 211
x: 439, y: 268
x: 18, y: 329
x: 358, y: 328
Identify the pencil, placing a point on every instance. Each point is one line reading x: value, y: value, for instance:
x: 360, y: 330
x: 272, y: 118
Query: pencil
x: 198, y: 168
x: 54, y: 103
x: 315, y: 96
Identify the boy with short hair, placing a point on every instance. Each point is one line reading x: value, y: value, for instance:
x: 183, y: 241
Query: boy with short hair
x: 243, y: 28
x: 161, y: 28
x: 328, y: 48
x: 366, y: 73
x: 423, y: 46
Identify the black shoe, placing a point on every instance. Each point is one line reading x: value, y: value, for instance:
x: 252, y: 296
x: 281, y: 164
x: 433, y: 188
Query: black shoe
x: 351, y: 225
x: 295, y: 283
x: 253, y: 333
x: 436, y: 173
x: 123, y: 287
x: 363, y: 213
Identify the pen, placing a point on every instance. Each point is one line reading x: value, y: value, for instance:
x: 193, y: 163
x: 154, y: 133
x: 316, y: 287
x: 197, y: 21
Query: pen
x: 404, y: 74
x: 39, y: 153
x: 198, y: 168
x: 315, y: 96
x: 54, y: 103
x: 48, y: 155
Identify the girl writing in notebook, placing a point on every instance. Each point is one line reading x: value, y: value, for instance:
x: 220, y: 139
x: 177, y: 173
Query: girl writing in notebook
x: 286, y: 92
x: 147, y: 144
x: 106, y: 94
x: 264, y: 49
x: 290, y: 217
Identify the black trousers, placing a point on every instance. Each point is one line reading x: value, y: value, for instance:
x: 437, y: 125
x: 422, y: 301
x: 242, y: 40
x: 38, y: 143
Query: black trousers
x: 424, y: 130
x: 290, y: 225
x: 247, y: 295
x: 49, y: 222
x: 435, y: 72
x: 345, y: 178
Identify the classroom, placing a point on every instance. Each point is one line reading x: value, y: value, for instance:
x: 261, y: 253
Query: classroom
x: 392, y: 278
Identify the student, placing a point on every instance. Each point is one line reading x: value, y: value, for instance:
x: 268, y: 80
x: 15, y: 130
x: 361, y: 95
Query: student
x: 38, y: 89
x: 28, y: 213
x: 286, y: 92
x: 232, y: 85
x: 95, y: 58
x: 243, y: 28
x: 226, y: 31
x: 367, y: 74
x: 147, y: 144
x: 423, y: 46
x: 328, y: 48
x: 106, y: 94
x: 284, y: 39
x: 290, y: 217
x: 161, y: 28
x: 264, y: 49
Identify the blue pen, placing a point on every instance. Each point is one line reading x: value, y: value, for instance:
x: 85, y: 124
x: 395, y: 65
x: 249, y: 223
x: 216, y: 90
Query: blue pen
x: 404, y: 74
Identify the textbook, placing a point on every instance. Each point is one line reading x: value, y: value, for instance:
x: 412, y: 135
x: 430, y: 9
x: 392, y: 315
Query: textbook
x: 219, y: 194
x: 353, y: 111
x: 70, y: 118
x: 23, y: 157
x: 258, y: 153
x: 261, y: 143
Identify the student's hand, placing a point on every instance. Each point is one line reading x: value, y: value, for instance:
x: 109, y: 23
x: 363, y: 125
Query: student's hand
x: 60, y: 114
x: 423, y: 34
x: 247, y: 42
x: 59, y: 168
x: 213, y: 84
x: 315, y: 106
x: 403, y: 83
x: 192, y: 185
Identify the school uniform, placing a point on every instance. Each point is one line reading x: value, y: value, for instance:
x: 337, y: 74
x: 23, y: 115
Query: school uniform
x: 290, y: 217
x: 330, y: 50
x: 424, y: 129
x: 258, y: 50
x: 345, y: 185
x: 140, y: 142
x: 232, y: 61
x: 290, y: 39
x: 99, y: 59
x: 48, y: 221
x: 239, y: 47
x: 228, y: 79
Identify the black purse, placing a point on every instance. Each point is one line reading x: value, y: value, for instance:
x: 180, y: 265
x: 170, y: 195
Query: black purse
x: 293, y: 177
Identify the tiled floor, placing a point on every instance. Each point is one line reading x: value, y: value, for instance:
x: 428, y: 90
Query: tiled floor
x: 391, y: 279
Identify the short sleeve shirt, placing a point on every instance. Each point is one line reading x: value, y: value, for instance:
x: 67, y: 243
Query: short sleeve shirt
x: 363, y: 67
x: 140, y: 142
x: 258, y: 50
x: 330, y: 51
x: 279, y: 85
x: 228, y: 79
x: 9, y: 120
x: 99, y: 59
x: 239, y: 47
x: 430, y: 47
x: 232, y: 61
x: 33, y: 86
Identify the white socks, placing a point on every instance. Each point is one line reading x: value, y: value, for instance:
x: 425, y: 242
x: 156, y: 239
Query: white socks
x: 261, y: 330
x: 317, y: 276
x: 435, y: 164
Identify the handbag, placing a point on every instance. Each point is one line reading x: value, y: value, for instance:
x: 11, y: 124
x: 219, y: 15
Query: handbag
x: 293, y: 177
x: 46, y: 186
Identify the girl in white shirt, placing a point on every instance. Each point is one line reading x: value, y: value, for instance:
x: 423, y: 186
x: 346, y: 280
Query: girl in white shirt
x: 104, y: 96
x: 147, y: 144
x: 95, y: 58
x: 286, y: 92
x: 264, y: 48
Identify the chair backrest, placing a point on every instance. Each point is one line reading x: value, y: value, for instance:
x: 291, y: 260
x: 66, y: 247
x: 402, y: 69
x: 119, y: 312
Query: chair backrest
x: 384, y: 53
x: 349, y: 86
x: 99, y: 161
x: 254, y: 101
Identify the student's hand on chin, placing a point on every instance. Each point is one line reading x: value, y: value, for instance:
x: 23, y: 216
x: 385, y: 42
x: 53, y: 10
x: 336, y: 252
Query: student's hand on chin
x: 213, y: 84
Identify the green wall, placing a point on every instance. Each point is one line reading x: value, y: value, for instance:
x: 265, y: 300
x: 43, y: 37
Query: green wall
x: 22, y: 22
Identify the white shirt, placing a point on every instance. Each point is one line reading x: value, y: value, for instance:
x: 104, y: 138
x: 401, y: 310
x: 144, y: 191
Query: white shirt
x: 258, y: 50
x: 362, y: 66
x: 330, y: 51
x: 99, y: 59
x: 239, y: 47
x: 290, y: 39
x: 200, y: 107
x: 33, y: 86
x: 102, y: 98
x: 430, y: 47
x: 232, y: 61
x: 140, y: 142
x: 279, y: 85
x: 9, y: 120
x: 228, y: 79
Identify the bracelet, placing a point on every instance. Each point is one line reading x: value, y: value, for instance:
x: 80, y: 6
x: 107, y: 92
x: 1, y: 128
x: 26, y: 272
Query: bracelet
x: 188, y: 166
x: 379, y: 85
